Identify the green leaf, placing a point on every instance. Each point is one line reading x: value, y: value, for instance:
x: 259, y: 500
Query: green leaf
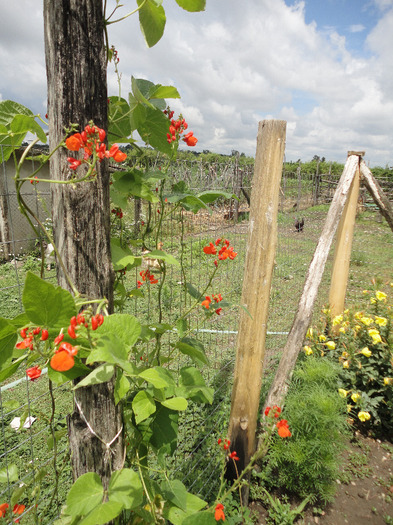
x: 85, y: 494
x: 181, y: 327
x: 157, y: 376
x: 196, y: 294
x: 101, y: 374
x: 163, y: 256
x: 176, y: 516
x: 121, y: 257
x: 131, y: 183
x: 175, y: 492
x: 175, y: 403
x: 164, y: 428
x: 10, y: 370
x: 143, y: 406
x: 193, y: 386
x: 194, y: 349
x: 9, y: 474
x: 152, y: 21
x: 122, y: 386
x: 8, y: 338
x: 111, y: 349
x: 159, y: 91
x: 125, y: 327
x: 212, y: 195
x: 21, y: 124
x: 45, y: 304
x: 104, y: 513
x: 119, y: 120
x: 139, y: 90
x: 192, y: 5
x: 154, y: 129
x: 200, y: 518
x: 125, y: 487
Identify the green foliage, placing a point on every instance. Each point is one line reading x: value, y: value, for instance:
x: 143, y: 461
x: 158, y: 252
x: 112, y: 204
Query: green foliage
x: 281, y: 512
x: 307, y: 464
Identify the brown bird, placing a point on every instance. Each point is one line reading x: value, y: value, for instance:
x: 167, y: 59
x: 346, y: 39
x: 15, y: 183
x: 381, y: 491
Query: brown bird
x: 299, y: 225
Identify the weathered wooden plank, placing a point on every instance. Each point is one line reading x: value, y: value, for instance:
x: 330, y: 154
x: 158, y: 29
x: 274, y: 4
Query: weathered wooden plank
x: 377, y: 193
x: 261, y: 246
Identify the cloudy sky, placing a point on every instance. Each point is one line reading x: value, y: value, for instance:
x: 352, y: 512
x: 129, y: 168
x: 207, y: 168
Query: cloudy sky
x: 324, y: 67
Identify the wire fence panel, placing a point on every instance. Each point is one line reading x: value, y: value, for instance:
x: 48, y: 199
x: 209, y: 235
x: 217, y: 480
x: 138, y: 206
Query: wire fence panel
x: 30, y: 457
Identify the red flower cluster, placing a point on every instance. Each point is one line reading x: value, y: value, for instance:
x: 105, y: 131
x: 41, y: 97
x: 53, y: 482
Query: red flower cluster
x: 28, y: 337
x: 117, y: 212
x: 92, y: 140
x: 207, y: 301
x: 219, y: 512
x: 282, y: 425
x: 79, y: 320
x: 176, y: 128
x: 148, y: 277
x: 34, y: 372
x: 225, y: 252
x: 18, y: 509
x: 225, y: 444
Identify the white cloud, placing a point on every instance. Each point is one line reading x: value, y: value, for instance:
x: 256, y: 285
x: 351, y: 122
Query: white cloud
x: 235, y: 64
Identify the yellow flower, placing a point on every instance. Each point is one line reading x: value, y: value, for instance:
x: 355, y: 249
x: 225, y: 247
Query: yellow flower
x: 307, y: 350
x: 343, y: 393
x: 325, y: 311
x: 331, y: 345
x: 380, y: 296
x: 388, y: 381
x: 365, y: 292
x: 366, y: 352
x: 337, y: 320
x: 345, y: 355
x: 322, y: 338
x: 366, y: 320
x: 349, y: 408
x: 309, y: 333
x: 355, y: 397
x: 357, y: 327
x: 346, y: 364
x: 358, y: 315
x: 342, y: 329
x: 374, y: 334
x: 364, y: 416
x: 373, y: 300
x: 381, y: 321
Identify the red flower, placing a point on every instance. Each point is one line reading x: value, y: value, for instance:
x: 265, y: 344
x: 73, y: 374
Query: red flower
x: 116, y: 154
x: 18, y: 509
x: 206, y: 302
x: 233, y: 455
x: 26, y: 343
x: 3, y: 509
x: 75, y: 142
x: 33, y: 372
x: 282, y: 428
x: 59, y: 339
x: 218, y: 311
x: 71, y: 332
x: 74, y: 163
x: 62, y: 361
x: 267, y: 410
x: 190, y: 140
x: 219, y: 512
x: 44, y: 335
x: 217, y: 298
x: 210, y: 250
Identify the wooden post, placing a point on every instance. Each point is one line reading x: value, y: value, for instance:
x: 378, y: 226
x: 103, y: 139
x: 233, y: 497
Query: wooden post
x: 303, y: 315
x: 377, y: 193
x: 260, y: 253
x: 342, y: 253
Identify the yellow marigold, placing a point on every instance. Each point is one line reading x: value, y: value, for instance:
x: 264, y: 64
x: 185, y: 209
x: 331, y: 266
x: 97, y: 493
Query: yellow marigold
x: 307, y: 350
x: 358, y: 315
x: 331, y: 345
x: 355, y: 397
x: 364, y: 416
x: 325, y: 311
x: 343, y: 393
x: 345, y: 355
x: 381, y: 321
x: 388, y: 381
x: 366, y: 320
x: 381, y: 296
x: 337, y: 320
x: 357, y: 327
x: 366, y: 352
x: 346, y: 364
x: 375, y: 335
x: 373, y: 300
x: 322, y: 338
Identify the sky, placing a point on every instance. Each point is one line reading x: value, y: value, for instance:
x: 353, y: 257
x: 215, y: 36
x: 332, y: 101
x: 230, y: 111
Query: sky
x: 323, y: 67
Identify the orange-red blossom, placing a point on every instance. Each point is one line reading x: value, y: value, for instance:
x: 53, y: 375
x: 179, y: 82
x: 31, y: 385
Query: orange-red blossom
x: 63, y: 359
x: 91, y: 139
x: 225, y: 251
x: 207, y: 301
x: 219, y: 512
x: 282, y: 429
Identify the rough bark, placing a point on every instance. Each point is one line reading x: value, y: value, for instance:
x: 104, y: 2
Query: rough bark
x: 303, y: 315
x: 77, y: 93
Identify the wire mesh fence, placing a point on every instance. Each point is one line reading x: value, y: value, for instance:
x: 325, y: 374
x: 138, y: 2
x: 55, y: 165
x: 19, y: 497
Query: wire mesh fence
x: 34, y: 453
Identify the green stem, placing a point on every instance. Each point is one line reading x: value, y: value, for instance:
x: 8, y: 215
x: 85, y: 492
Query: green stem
x: 107, y: 23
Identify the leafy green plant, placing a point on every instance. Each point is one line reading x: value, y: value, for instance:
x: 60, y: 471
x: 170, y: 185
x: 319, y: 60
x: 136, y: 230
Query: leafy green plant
x: 281, y: 512
x: 307, y: 465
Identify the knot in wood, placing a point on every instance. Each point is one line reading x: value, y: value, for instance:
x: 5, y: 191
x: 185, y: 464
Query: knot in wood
x: 243, y: 423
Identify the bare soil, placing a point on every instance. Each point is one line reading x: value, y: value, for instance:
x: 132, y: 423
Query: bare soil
x: 364, y: 494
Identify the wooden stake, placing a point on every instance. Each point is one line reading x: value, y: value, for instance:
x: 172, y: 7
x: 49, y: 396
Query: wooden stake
x: 261, y: 246
x: 303, y: 315
x: 342, y: 254
x: 377, y: 193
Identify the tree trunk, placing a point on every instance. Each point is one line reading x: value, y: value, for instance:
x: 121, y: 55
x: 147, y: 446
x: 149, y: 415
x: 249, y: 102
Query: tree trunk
x: 77, y: 93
